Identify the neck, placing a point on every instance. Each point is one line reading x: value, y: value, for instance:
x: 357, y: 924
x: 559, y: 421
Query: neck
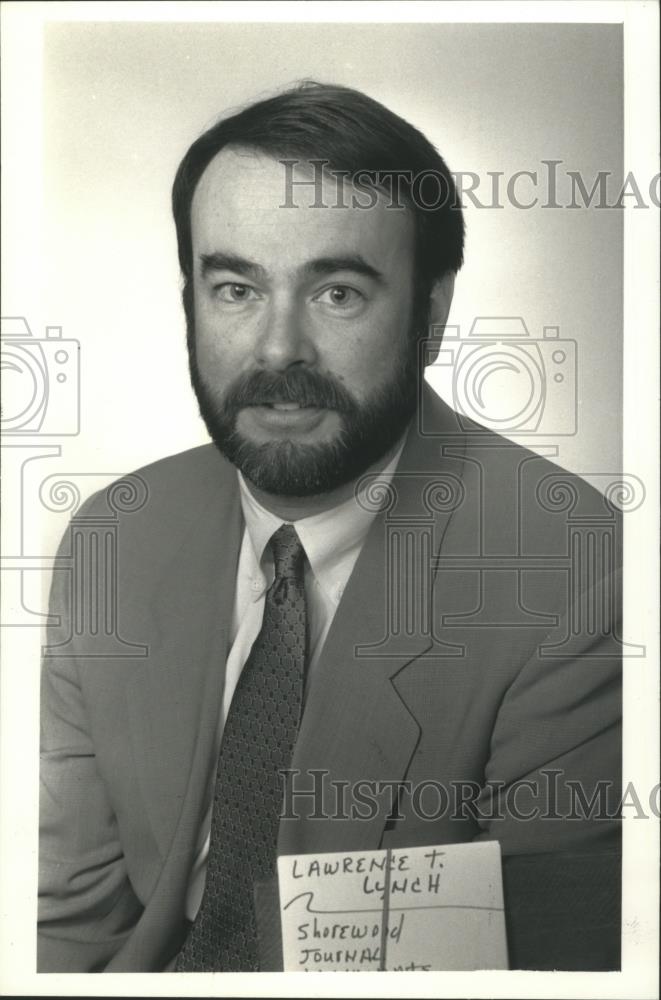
x: 296, y: 508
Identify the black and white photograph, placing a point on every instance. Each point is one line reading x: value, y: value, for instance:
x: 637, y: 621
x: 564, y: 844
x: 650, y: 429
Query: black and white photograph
x: 330, y: 521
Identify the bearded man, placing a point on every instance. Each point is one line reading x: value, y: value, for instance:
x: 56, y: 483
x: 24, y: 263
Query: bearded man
x: 328, y: 596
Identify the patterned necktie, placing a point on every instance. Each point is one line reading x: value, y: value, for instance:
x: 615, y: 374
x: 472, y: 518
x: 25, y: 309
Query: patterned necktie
x: 258, y: 742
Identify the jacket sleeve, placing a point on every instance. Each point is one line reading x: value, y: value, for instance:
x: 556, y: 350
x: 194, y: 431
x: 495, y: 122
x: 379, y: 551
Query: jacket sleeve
x: 555, y: 771
x: 86, y: 904
x: 553, y: 777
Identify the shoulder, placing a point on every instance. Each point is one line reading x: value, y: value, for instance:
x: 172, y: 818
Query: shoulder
x: 158, y: 505
x: 504, y: 464
x: 516, y: 498
x: 188, y: 479
x: 193, y: 470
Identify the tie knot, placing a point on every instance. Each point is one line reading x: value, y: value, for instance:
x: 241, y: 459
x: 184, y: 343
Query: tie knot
x: 288, y: 553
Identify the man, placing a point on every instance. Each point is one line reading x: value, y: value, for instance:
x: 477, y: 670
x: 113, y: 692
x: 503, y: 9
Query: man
x: 332, y: 597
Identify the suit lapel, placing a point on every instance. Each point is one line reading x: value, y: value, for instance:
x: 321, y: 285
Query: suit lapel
x: 175, y: 697
x: 357, y: 726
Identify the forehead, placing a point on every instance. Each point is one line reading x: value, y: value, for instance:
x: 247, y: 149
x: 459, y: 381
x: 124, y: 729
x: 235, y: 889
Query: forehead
x: 246, y: 203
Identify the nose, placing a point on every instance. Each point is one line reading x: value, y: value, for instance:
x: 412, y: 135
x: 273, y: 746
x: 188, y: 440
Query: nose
x: 283, y: 340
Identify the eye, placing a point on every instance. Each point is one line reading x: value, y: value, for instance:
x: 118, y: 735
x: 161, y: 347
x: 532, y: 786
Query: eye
x: 234, y: 292
x: 340, y: 296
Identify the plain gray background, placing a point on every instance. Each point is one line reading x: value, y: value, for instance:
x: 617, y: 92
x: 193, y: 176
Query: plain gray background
x: 124, y: 100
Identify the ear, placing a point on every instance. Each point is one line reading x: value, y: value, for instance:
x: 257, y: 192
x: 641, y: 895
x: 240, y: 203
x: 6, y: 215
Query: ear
x: 440, y: 301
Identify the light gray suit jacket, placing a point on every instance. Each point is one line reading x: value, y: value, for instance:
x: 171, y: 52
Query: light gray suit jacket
x: 476, y: 642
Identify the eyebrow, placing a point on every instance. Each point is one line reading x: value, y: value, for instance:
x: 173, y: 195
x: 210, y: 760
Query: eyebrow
x: 220, y: 261
x: 229, y: 262
x: 351, y: 262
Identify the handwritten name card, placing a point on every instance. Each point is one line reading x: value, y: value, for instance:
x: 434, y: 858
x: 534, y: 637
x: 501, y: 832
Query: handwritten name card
x: 423, y: 908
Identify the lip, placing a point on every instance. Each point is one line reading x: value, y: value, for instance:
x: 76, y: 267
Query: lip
x: 303, y: 419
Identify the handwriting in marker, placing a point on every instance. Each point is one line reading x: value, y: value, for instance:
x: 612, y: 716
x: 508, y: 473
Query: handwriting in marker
x: 421, y: 909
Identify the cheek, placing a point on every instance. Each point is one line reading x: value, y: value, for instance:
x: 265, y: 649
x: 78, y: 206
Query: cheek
x: 219, y: 339
x: 368, y: 358
x: 215, y: 359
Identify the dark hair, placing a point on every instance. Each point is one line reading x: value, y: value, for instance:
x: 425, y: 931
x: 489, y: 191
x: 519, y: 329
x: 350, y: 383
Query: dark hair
x: 353, y: 133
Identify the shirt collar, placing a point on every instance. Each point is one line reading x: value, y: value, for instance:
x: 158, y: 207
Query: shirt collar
x: 331, y: 539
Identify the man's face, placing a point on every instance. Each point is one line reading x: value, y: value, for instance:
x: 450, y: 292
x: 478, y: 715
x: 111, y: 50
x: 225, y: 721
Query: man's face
x: 303, y: 357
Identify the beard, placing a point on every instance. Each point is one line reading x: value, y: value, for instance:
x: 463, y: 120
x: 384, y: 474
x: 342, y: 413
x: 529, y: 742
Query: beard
x: 287, y: 468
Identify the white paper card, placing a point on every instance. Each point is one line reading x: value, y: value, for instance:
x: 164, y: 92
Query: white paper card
x: 423, y: 908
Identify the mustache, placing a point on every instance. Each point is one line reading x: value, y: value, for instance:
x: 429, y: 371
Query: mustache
x: 305, y: 387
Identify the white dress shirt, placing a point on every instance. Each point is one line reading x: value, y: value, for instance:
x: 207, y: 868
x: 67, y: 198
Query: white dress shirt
x: 332, y: 541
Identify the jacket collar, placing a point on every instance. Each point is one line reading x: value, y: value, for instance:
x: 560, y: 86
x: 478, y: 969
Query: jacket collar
x: 356, y: 724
